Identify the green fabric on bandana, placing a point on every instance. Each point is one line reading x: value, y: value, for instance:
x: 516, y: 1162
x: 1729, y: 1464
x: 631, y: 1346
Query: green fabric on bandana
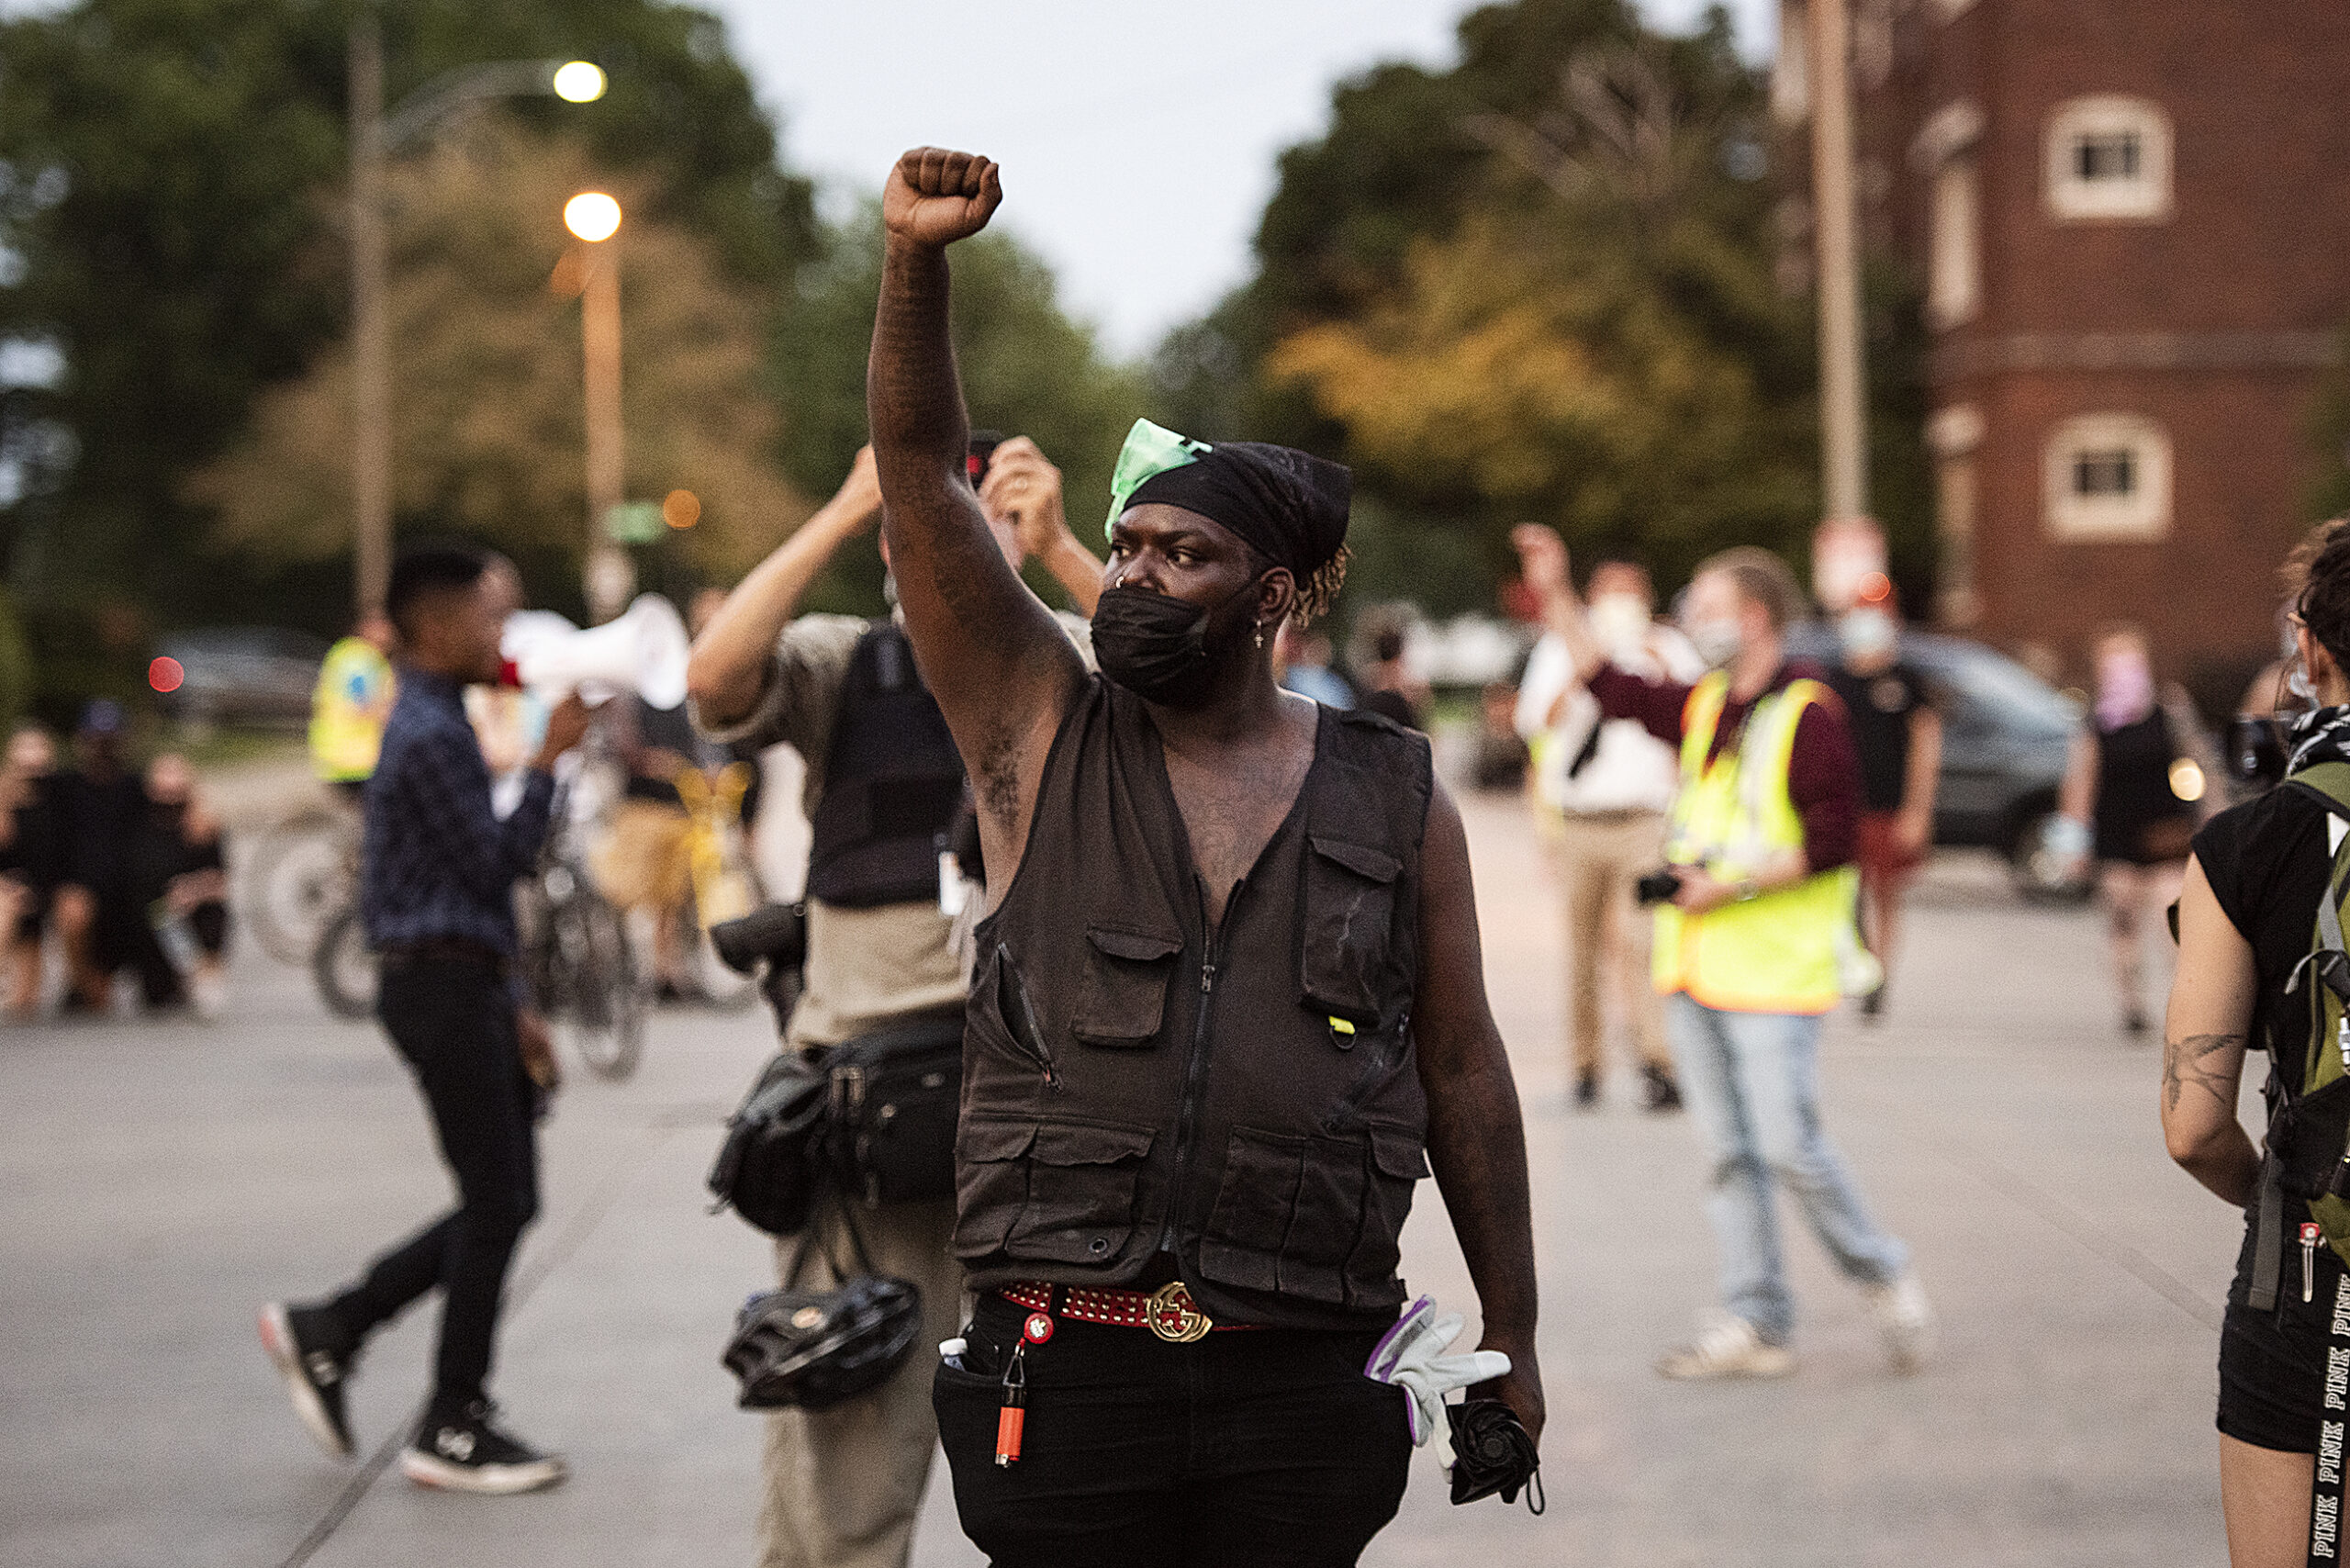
x: 1151, y: 449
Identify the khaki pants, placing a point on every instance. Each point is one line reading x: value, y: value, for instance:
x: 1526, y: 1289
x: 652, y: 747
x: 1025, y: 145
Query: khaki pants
x: 1600, y: 856
x: 844, y: 1485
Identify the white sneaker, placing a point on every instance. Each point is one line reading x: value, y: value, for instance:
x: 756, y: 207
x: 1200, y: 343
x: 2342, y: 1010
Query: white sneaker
x: 1906, y: 1318
x: 1726, y: 1346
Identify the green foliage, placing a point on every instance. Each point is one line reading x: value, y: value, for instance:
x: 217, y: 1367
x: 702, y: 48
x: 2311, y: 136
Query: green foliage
x: 486, y: 371
x: 1027, y: 369
x: 1542, y: 285
x: 171, y: 180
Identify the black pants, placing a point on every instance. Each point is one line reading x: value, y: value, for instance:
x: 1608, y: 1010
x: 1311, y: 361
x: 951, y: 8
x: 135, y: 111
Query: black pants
x: 455, y: 1023
x: 1267, y: 1448
x: 122, y: 937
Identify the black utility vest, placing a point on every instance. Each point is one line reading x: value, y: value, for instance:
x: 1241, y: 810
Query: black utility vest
x: 1144, y: 1096
x: 892, y: 783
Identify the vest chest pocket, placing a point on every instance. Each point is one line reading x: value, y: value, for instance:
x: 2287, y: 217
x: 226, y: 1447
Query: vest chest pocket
x: 1347, y: 926
x: 1124, y: 994
x: 1058, y: 1192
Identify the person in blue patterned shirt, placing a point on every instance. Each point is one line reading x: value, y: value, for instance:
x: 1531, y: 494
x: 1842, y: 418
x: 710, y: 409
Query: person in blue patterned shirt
x: 437, y: 895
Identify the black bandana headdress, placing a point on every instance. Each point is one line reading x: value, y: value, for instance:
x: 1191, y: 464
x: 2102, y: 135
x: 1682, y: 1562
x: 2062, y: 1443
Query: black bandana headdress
x: 1290, y: 505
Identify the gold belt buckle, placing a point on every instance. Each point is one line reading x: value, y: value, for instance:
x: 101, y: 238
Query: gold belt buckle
x: 1174, y: 1317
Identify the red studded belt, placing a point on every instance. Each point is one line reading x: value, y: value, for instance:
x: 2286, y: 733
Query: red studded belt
x: 1168, y: 1312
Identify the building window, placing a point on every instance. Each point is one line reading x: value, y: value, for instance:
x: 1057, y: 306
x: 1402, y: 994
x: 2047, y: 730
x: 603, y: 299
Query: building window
x: 2109, y: 479
x: 2112, y: 473
x: 1955, y: 260
x: 2110, y: 158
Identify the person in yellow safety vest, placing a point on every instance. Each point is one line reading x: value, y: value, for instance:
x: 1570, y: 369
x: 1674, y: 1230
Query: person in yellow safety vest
x: 350, y: 704
x: 1755, y: 946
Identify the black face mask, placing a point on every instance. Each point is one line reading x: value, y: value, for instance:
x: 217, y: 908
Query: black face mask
x: 1158, y: 647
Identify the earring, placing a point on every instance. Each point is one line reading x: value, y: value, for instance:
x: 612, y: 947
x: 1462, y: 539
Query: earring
x: 1260, y: 633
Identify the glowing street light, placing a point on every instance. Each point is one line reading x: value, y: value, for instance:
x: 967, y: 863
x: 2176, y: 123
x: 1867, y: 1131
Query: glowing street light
x: 592, y: 215
x: 579, y: 82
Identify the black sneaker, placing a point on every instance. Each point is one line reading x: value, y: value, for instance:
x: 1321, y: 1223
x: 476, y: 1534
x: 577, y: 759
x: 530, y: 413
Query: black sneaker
x: 467, y: 1451
x: 1586, y: 1091
x: 1662, y: 1093
x: 314, y: 1365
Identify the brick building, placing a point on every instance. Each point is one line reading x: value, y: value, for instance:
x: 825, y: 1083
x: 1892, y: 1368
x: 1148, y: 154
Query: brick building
x: 2131, y: 221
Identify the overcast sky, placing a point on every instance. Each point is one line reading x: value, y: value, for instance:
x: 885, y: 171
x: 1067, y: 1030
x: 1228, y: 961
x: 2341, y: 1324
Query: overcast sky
x: 1137, y: 141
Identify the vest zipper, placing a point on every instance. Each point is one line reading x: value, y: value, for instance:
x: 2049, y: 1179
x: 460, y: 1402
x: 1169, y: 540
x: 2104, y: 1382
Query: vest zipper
x: 1186, y: 1127
x: 1021, y: 1024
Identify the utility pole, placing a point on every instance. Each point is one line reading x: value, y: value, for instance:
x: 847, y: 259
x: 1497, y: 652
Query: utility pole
x: 609, y: 572
x: 374, y: 138
x: 371, y: 451
x: 1844, y: 431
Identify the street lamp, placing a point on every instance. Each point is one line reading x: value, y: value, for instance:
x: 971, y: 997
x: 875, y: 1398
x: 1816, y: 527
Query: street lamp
x: 579, y: 82
x: 594, y: 217
x: 374, y: 136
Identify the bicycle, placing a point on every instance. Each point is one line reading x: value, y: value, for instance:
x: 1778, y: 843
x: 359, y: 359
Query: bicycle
x: 304, y: 872
x: 575, y: 957
x: 577, y: 961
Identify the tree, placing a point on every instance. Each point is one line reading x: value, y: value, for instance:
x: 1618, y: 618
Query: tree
x: 1542, y: 284
x: 171, y: 176
x: 487, y: 378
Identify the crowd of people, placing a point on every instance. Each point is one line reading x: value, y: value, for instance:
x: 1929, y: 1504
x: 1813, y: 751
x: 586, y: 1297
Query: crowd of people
x: 115, y: 868
x: 1194, y: 906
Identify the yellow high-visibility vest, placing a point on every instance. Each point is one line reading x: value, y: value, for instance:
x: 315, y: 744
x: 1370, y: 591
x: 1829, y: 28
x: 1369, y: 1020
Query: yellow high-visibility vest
x: 352, y: 699
x: 1781, y: 952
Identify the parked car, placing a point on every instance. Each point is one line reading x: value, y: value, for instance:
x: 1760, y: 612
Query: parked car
x: 2006, y: 737
x: 257, y: 675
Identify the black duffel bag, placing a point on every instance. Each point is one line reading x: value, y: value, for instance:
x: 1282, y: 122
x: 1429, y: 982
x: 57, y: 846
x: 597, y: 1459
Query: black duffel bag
x: 772, y: 1162
x: 894, y: 1097
x: 875, y: 1116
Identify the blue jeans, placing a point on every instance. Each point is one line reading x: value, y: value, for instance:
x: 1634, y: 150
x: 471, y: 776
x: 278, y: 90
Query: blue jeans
x: 1751, y: 1080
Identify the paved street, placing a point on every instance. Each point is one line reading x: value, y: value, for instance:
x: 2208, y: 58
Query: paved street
x: 157, y: 1183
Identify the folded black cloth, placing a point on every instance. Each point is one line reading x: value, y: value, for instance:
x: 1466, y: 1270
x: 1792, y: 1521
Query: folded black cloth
x: 1492, y: 1453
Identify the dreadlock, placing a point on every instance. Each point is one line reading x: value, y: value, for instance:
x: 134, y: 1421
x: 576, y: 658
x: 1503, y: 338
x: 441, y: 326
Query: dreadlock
x: 1317, y: 593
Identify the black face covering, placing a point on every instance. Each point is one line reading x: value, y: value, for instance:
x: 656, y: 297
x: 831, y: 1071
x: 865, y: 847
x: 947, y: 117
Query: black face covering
x: 1158, y: 647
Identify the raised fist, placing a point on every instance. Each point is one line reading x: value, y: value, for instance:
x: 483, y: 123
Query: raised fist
x: 935, y: 197
x: 1024, y: 488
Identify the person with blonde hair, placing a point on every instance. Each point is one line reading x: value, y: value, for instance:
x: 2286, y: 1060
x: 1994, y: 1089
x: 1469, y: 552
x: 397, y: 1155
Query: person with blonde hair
x: 1755, y: 943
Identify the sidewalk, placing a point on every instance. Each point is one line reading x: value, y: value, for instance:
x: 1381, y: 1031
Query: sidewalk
x: 162, y: 1180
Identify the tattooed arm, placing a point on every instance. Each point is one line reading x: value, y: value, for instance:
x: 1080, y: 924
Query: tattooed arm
x: 2211, y: 1002
x: 1001, y: 668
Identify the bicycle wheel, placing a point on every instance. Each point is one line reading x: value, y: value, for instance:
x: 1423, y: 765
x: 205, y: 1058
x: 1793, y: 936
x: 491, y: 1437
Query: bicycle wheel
x: 597, y: 999
x: 300, y: 875
x: 344, y: 966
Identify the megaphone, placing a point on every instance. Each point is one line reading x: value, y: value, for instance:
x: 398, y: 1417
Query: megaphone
x: 643, y: 651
